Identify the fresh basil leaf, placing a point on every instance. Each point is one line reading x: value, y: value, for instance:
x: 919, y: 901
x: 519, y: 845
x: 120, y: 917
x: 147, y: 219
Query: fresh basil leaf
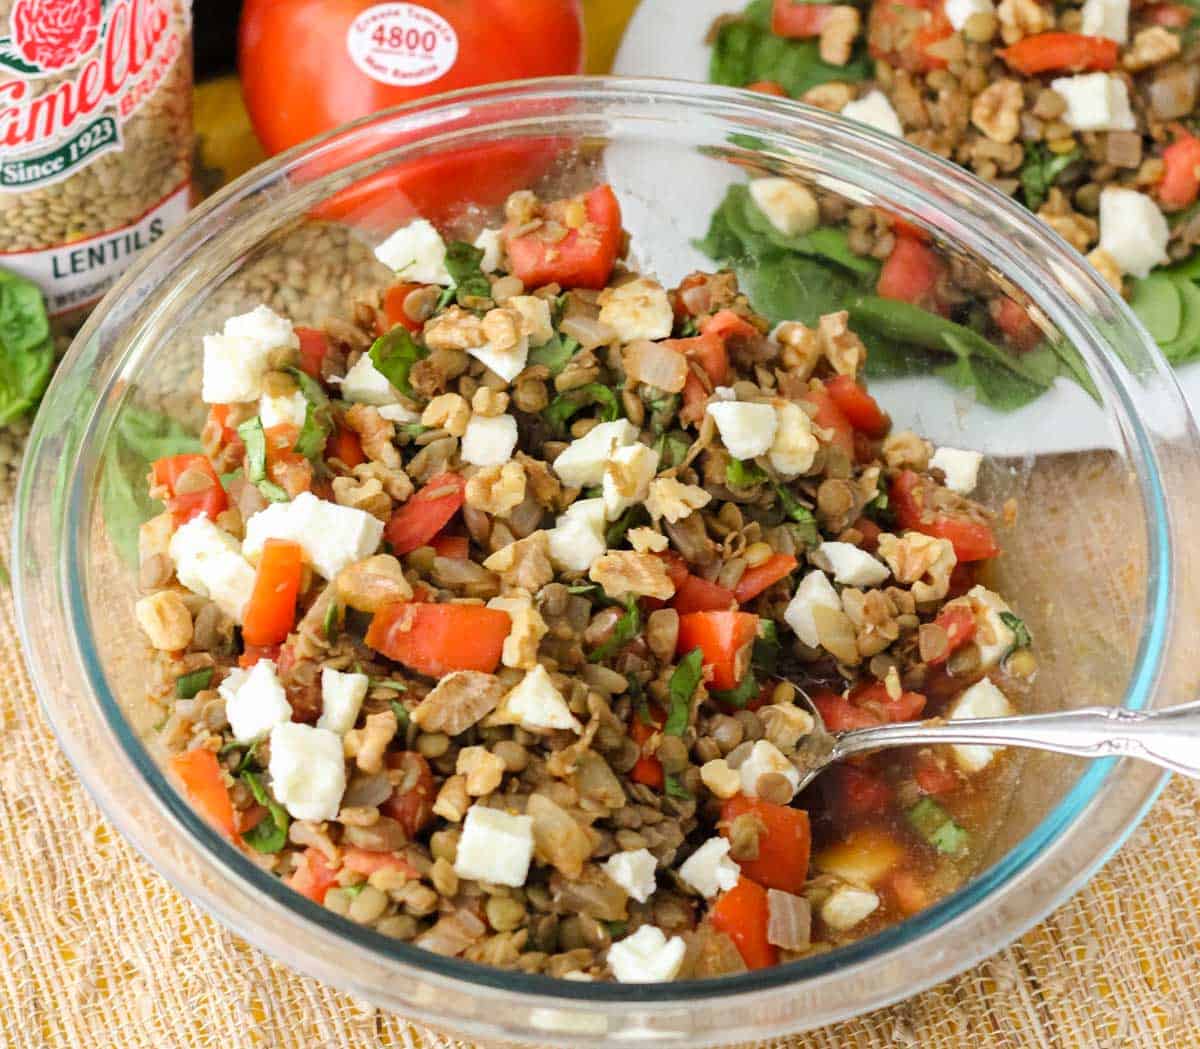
x: 1021, y: 635
x: 764, y: 655
x: 993, y: 386
x: 674, y: 787
x: 685, y: 679
x: 583, y: 588
x: 741, y: 473
x: 626, y: 629
x: 672, y: 448
x: 555, y: 353
x: 402, y: 715
x: 24, y: 325
x: 270, y: 833
x: 330, y: 622
x: 384, y: 682
x: 799, y: 514
x: 688, y: 328
x: 394, y: 355
x: 1040, y: 170
x: 463, y: 264
x: 255, y: 439
x: 187, y: 685
x: 313, y: 434
x: 566, y: 406
x: 273, y: 493
x: 614, y: 535
x: 740, y: 695
x: 616, y: 929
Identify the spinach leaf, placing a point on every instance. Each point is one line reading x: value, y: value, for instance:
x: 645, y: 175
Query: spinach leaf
x: 23, y: 321
x: 463, y: 264
x: 26, y: 346
x: 394, y: 354
x: 685, y: 678
x: 628, y: 627
x: 794, y: 287
x: 993, y: 386
x: 1158, y: 304
x: 270, y: 833
x: 567, y: 405
x: 555, y: 353
x: 1040, y: 170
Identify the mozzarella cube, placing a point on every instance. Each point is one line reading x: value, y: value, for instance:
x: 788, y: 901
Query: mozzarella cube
x: 491, y: 243
x: 647, y: 956
x: 291, y: 409
x: 766, y: 757
x: 850, y: 565
x: 638, y: 309
x: 634, y: 872
x: 960, y: 467
x: 795, y: 446
x: 495, y: 847
x: 208, y: 562
x: 1095, y: 102
x: 981, y: 700
x: 875, y: 109
x: 627, y: 478
x: 709, y: 869
x: 489, y: 440
x: 264, y: 327
x: 814, y: 591
x: 342, y: 698
x: 308, y: 772
x: 366, y: 384
x: 535, y: 318
x: 1107, y: 18
x: 233, y: 369
x: 397, y: 413
x: 958, y: 12
x: 416, y: 252
x: 508, y: 364
x: 331, y: 536
x: 536, y: 705
x: 582, y: 462
x: 848, y: 905
x: 788, y: 206
x: 747, y: 430
x: 1133, y: 230
x: 577, y: 538
x: 993, y: 637
x: 255, y: 701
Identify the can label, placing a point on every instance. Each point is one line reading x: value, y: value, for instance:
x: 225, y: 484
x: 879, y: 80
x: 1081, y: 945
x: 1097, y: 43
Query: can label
x: 402, y: 45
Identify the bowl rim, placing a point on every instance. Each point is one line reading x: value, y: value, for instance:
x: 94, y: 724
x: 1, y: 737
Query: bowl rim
x: 306, y: 916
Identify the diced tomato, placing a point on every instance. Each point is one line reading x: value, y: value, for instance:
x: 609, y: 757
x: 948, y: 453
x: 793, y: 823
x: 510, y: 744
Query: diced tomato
x: 911, y: 51
x: 583, y: 258
x: 741, y: 914
x: 457, y: 547
x: 393, y: 306
x: 344, y: 444
x: 271, y: 611
x: 958, y: 621
x: 286, y: 467
x: 314, y: 346
x: 840, y: 715
x: 964, y: 576
x: 1060, y: 53
x: 426, y: 513
x: 756, y: 579
x: 708, y: 350
x: 411, y: 802
x: 437, y: 639
x: 253, y: 653
x: 1020, y: 330
x: 855, y: 793
x: 870, y: 532
x: 858, y: 406
x: 767, y: 87
x: 934, y: 778
x: 201, y: 776
x: 728, y: 325
x: 200, y: 500
x: 677, y: 567
x: 313, y: 877
x: 829, y: 417
x: 972, y: 540
x: 365, y: 862
x: 694, y: 594
x: 909, y: 891
x: 1180, y: 183
x: 724, y: 638
x: 1173, y: 16
x: 799, y: 20
x: 911, y: 272
x: 647, y: 769
x: 782, y: 861
x: 904, y: 228
x: 874, y: 697
x: 218, y: 418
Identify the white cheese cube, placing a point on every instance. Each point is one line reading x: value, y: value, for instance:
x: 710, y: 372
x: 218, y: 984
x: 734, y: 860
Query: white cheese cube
x: 291, y: 409
x: 1133, y: 230
x: 795, y: 446
x: 342, y: 698
x: 766, y: 757
x: 263, y: 326
x: 577, y: 538
x: 416, y: 252
x: 1107, y: 18
x: 209, y: 563
x: 960, y: 467
x: 508, y: 364
x: 627, y: 477
x: 981, y: 700
x: 489, y: 440
x: 397, y: 413
x: 789, y: 207
x: 366, y: 384
x: 331, y: 536
x: 491, y: 243
x: 582, y: 462
x: 634, y: 872
x: 849, y: 564
x: 709, y: 869
x: 647, y: 956
x: 875, y: 109
x: 747, y: 430
x: 958, y: 12
x: 255, y: 701
x: 233, y: 369
x: 308, y: 772
x: 848, y: 905
x: 536, y: 705
x: 1095, y: 102
x: 993, y: 637
x: 495, y: 847
x: 535, y: 318
x: 814, y: 591
x: 638, y: 309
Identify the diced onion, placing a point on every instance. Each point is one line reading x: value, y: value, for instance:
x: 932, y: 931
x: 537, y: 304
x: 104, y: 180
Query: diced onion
x: 587, y: 331
x: 656, y: 365
x: 789, y: 920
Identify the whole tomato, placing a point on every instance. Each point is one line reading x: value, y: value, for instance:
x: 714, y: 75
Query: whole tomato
x: 308, y: 65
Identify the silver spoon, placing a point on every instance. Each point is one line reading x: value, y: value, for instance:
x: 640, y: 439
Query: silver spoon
x: 1169, y: 738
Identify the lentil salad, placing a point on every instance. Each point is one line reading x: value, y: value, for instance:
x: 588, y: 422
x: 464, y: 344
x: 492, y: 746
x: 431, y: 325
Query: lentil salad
x: 484, y: 618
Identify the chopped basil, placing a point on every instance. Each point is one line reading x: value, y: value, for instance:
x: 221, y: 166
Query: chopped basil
x: 567, y: 405
x: 394, y: 354
x: 313, y: 434
x: 411, y: 430
x: 273, y: 493
x: 740, y: 695
x: 401, y: 712
x: 187, y: 685
x: 616, y: 929
x: 586, y: 589
x: 270, y: 833
x: 353, y: 890
x: 672, y: 449
x: 800, y: 514
x: 384, y: 682
x: 255, y: 439
x: 1021, y: 635
x: 614, y: 535
x: 688, y: 328
x: 555, y: 353
x: 765, y: 653
x: 1040, y: 170
x: 330, y: 623
x: 936, y: 827
x: 682, y: 686
x: 662, y: 411
x: 741, y: 473
x: 463, y: 264
x: 627, y: 628
x: 675, y: 788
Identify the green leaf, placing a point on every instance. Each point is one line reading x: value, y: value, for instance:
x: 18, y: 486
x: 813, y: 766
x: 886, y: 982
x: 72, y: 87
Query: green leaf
x: 12, y: 60
x: 463, y: 264
x: 685, y: 678
x: 567, y: 405
x: 187, y: 685
x: 394, y: 354
x: 1158, y: 304
x: 740, y: 695
x: 627, y: 628
x: 313, y: 434
x: 255, y: 439
x: 794, y: 287
x: 740, y: 473
x: 26, y: 346
x: 614, y: 535
x: 402, y: 715
x: 555, y: 353
x: 270, y: 833
x: 23, y: 321
x: 674, y: 787
x: 1041, y: 169
x: 1186, y: 344
x: 1021, y: 635
x: 993, y: 386
x: 616, y: 929
x: 936, y: 827
x: 583, y: 588
x: 797, y: 512
x: 330, y: 622
x: 672, y: 448
x: 764, y: 655
x: 384, y: 682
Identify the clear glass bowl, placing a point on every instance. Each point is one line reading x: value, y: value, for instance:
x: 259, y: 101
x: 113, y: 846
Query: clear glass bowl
x: 1094, y: 562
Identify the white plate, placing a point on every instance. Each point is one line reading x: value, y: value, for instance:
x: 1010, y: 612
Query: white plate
x: 1064, y: 419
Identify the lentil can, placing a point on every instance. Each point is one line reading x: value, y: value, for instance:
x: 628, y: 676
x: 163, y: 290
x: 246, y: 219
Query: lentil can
x: 95, y: 140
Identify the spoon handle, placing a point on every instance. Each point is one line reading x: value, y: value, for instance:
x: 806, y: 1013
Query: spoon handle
x: 1170, y: 738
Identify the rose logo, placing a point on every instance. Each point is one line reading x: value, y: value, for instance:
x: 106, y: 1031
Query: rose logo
x: 53, y: 34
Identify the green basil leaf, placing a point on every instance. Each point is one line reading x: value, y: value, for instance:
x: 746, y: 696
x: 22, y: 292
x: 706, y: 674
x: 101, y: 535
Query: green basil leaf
x: 1040, y: 170
x: 614, y: 535
x: 741, y: 473
x: 685, y: 679
x: 330, y: 622
x: 24, y: 325
x: 555, y: 353
x: 270, y: 833
x: 394, y: 355
x: 255, y: 439
x: 1021, y: 635
x: 740, y: 695
x: 402, y: 715
x: 187, y: 685
x: 800, y: 514
x: 626, y: 629
x: 389, y: 683
x: 566, y: 406
x: 463, y: 264
x: 674, y: 787
x: 764, y: 655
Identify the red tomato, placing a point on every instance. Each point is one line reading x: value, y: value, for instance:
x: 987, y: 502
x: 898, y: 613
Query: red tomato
x: 782, y: 861
x: 1020, y: 330
x: 911, y: 272
x: 218, y: 417
x: 909, y: 890
x: 767, y: 87
x: 694, y: 594
x: 755, y: 580
x: 1173, y: 16
x: 288, y: 469
x: 1180, y: 184
x: 876, y: 699
x: 829, y: 417
x: 426, y: 513
x: 251, y: 654
x: 797, y: 19
x: 855, y: 793
x: 840, y: 715
x: 722, y: 637
x: 677, y: 567
x: 313, y: 877
x: 437, y: 639
x: 647, y: 769
x: 741, y: 914
x: 934, y: 778
x: 411, y: 803
x: 858, y: 406
x: 200, y: 773
x: 959, y: 623
x: 583, y: 258
x: 208, y: 501
x: 1060, y: 53
x: 457, y: 547
x: 393, y: 306
x: 728, y: 325
x: 271, y: 610
x: 366, y: 862
x: 972, y: 540
x: 707, y: 350
x: 346, y: 445
x: 299, y: 78
x: 910, y: 51
x: 314, y: 345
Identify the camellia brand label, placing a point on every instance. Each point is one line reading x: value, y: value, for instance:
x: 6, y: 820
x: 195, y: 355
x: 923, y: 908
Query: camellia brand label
x: 402, y: 44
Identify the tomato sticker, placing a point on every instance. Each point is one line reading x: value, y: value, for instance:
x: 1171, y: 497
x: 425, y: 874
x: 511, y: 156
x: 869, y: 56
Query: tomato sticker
x: 402, y: 44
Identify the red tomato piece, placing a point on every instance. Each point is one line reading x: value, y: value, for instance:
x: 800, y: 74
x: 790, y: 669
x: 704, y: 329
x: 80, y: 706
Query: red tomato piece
x: 362, y: 861
x: 829, y: 417
x: 856, y: 793
x: 202, y: 779
x: 694, y: 594
x: 437, y: 639
x: 314, y: 346
x: 768, y: 87
x: 876, y: 699
x: 728, y: 325
x: 677, y: 567
x: 1060, y: 53
x: 426, y: 513
x: 647, y: 769
x: 1019, y: 328
x: 198, y: 499
x: 271, y: 610
x: 909, y: 891
x: 1180, y: 183
x: 457, y: 547
x: 723, y: 637
x: 345, y: 444
x: 959, y: 623
x: 411, y: 802
x: 756, y: 579
x: 890, y: 20
x: 858, y: 406
x: 934, y: 778
x: 707, y: 350
x: 972, y: 540
x: 840, y: 715
x: 313, y: 877
x: 911, y: 272
x: 393, y: 306
x: 783, y: 850
x: 799, y: 20
x: 741, y: 914
x: 251, y: 654
x: 583, y: 258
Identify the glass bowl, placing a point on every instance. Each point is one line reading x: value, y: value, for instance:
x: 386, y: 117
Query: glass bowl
x: 1095, y: 559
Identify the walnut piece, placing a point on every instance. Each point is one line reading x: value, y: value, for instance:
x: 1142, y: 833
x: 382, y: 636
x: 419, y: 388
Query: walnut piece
x: 376, y: 434
x: 453, y: 800
x: 674, y: 500
x: 904, y: 450
x: 525, y: 564
x: 373, y: 583
x: 394, y: 480
x: 1151, y: 47
x: 502, y: 327
x: 528, y: 628
x: 456, y: 329
x: 367, y: 495
x: 450, y: 411
x: 996, y: 110
x: 367, y: 744
x: 482, y: 769
x: 915, y: 558
x: 801, y: 348
x: 841, y: 26
x: 1107, y: 267
x: 626, y: 572
x: 832, y: 96
x: 842, y: 348
x: 459, y: 700
x: 1021, y: 18
x: 489, y: 402
x: 646, y: 540
x: 165, y: 620
x: 497, y: 489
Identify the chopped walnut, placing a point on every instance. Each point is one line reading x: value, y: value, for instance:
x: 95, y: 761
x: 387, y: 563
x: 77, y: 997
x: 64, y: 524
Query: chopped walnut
x: 904, y: 450
x: 365, y: 495
x: 719, y: 778
x: 1107, y: 267
x: 482, y: 770
x: 528, y: 628
x: 996, y: 110
x: 367, y: 744
x: 489, y: 402
x: 1080, y: 231
x: 873, y: 614
x: 497, y: 489
x: 541, y: 481
x: 646, y: 540
x: 801, y: 348
x: 458, y: 701
x: 525, y: 564
x: 842, y: 348
x: 165, y: 620
x: 914, y: 557
x: 838, y: 32
x: 832, y: 96
x: 673, y: 500
x: 456, y: 329
x: 371, y: 584
x: 453, y: 800
x: 450, y: 411
x: 502, y: 327
x: 1022, y: 18
x: 1151, y: 47
x: 625, y: 572
x: 376, y: 434
x: 394, y: 480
